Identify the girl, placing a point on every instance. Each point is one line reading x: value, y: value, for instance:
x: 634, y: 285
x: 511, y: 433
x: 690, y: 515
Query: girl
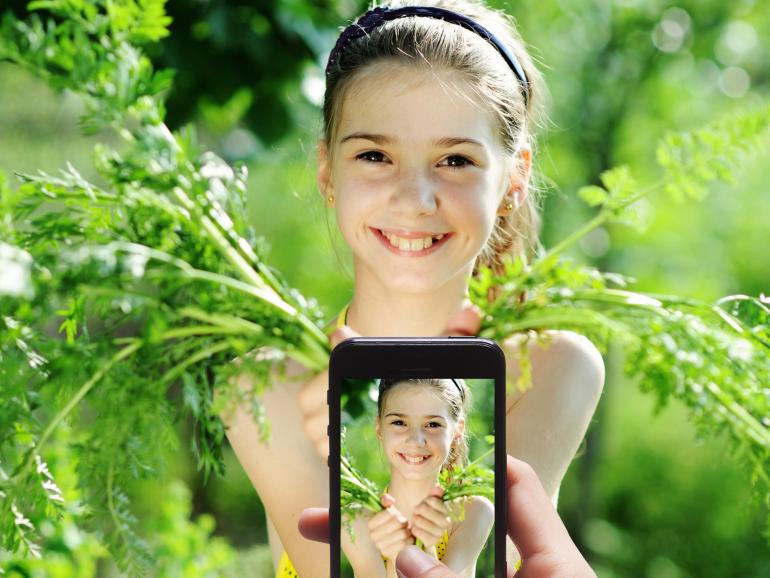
x: 425, y: 159
x: 421, y: 427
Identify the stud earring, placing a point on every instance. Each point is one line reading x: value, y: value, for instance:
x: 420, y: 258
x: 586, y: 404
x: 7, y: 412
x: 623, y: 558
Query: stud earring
x: 330, y: 198
x: 505, y: 209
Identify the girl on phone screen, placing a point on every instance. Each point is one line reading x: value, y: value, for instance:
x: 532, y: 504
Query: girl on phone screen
x: 425, y: 159
x: 421, y: 426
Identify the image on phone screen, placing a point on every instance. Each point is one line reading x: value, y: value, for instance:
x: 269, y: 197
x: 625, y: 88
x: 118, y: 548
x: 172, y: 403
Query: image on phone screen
x: 400, y: 438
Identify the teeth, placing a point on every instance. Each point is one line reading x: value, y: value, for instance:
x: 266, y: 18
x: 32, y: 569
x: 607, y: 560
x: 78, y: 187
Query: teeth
x: 415, y: 460
x: 412, y: 244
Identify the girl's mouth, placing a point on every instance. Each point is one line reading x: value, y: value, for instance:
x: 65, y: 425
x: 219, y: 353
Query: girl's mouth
x: 413, y: 246
x: 413, y: 460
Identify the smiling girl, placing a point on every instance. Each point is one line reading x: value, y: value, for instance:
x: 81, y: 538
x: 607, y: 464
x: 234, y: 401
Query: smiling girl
x: 421, y: 427
x: 425, y: 157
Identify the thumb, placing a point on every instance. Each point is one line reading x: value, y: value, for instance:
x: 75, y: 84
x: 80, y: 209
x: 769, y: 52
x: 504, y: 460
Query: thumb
x: 387, y: 500
x: 437, y: 491
x: 467, y: 321
x: 412, y: 562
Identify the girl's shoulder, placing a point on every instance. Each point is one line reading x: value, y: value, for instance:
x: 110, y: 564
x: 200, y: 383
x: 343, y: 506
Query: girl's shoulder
x: 479, y: 514
x: 557, y: 346
x: 477, y: 519
x: 561, y: 363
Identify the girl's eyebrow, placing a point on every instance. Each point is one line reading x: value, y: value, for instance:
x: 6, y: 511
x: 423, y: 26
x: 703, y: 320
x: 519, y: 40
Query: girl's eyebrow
x: 404, y: 415
x: 384, y: 139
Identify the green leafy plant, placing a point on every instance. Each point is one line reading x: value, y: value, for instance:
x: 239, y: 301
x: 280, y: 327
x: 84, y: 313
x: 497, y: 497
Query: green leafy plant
x: 124, y: 302
x: 715, y: 358
x: 471, y: 480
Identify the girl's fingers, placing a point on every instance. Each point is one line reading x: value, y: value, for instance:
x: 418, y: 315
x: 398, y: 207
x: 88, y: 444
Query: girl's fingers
x: 433, y: 519
x: 389, y: 517
x: 397, y: 537
x: 467, y: 321
x: 425, y: 526
x: 341, y: 334
x: 437, y: 491
x: 387, y: 500
x: 438, y: 519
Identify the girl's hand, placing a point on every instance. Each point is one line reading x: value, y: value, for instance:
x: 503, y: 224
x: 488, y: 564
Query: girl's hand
x: 312, y: 401
x: 388, y: 529
x: 430, y: 518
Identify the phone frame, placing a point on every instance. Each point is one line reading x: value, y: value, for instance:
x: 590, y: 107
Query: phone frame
x: 415, y: 357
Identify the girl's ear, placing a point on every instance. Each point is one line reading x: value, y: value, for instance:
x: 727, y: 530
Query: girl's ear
x: 325, y: 186
x: 377, y: 428
x: 460, y: 428
x: 518, y: 177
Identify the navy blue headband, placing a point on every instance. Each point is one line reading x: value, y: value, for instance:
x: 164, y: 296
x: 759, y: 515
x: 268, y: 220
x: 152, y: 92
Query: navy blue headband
x: 374, y: 18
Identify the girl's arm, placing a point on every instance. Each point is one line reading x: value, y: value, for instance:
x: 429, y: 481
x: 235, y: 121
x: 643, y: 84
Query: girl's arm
x: 363, y: 555
x: 286, y: 472
x: 468, y: 539
x: 546, y: 423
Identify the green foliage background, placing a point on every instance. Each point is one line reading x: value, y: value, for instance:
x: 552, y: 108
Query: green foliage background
x: 644, y: 497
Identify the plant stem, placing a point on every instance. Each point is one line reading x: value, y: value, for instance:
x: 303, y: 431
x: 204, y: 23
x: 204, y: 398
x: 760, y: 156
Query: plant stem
x: 76, y: 399
x: 178, y: 369
x: 759, y: 433
x: 604, y: 214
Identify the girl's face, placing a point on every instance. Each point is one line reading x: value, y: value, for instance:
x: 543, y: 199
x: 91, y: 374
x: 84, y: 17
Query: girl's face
x: 418, y: 176
x: 416, y: 430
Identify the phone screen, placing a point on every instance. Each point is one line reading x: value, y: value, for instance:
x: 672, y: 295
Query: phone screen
x: 432, y: 416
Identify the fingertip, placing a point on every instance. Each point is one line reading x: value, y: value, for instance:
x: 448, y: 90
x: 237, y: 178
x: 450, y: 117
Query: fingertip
x: 313, y: 524
x: 466, y: 322
x: 412, y: 561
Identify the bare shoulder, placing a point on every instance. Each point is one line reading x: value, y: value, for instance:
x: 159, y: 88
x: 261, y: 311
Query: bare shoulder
x: 563, y: 361
x: 480, y: 509
x: 576, y: 351
x: 285, y: 379
x: 478, y: 517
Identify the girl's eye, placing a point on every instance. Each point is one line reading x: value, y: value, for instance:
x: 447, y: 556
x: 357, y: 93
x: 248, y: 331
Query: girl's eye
x: 371, y: 156
x: 397, y: 422
x: 434, y: 424
x: 457, y: 162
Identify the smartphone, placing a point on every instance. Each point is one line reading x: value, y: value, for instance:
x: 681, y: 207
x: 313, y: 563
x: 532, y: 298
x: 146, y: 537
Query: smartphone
x: 404, y: 414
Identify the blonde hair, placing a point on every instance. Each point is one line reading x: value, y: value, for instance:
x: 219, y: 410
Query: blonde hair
x: 455, y: 392
x: 439, y: 44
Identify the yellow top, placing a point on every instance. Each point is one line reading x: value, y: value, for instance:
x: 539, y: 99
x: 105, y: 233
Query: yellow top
x: 342, y: 318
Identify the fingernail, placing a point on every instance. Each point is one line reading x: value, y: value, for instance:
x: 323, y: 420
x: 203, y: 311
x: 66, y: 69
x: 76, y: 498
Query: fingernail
x: 412, y: 561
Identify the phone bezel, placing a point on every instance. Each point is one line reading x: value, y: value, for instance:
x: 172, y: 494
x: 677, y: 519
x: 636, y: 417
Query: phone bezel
x: 440, y: 357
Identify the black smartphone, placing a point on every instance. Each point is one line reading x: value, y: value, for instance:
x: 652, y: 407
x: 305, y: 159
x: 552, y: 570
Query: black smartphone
x: 405, y: 414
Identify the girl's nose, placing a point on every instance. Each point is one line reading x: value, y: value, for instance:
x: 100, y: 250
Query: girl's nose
x: 414, y: 194
x: 416, y: 436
